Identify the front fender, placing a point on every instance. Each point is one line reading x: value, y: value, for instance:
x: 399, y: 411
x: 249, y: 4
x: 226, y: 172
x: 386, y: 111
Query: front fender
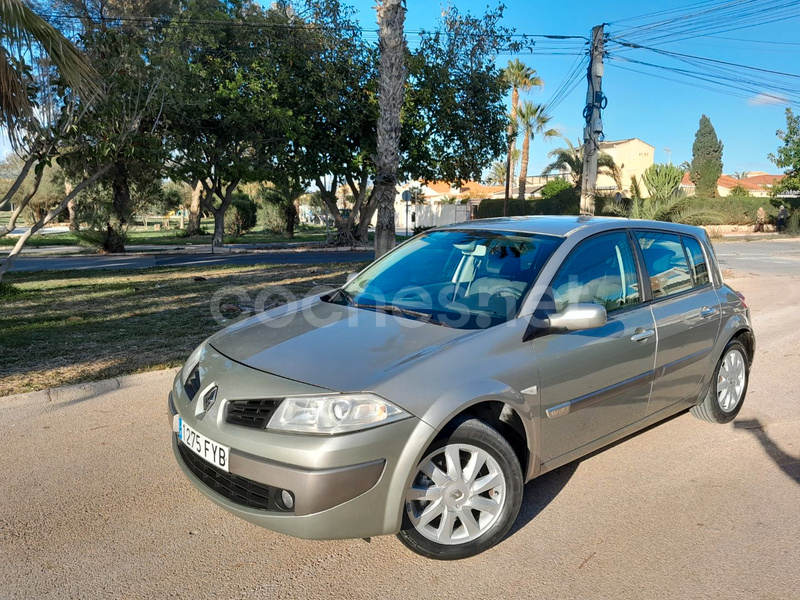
x: 471, y: 393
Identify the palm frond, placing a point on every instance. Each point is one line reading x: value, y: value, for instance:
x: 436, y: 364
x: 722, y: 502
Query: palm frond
x: 23, y: 28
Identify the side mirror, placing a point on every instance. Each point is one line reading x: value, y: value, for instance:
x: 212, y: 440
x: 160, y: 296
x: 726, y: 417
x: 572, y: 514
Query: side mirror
x: 577, y: 317
x: 351, y: 276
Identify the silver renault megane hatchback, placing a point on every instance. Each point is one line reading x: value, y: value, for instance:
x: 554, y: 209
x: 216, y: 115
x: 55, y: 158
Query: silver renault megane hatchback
x: 418, y: 398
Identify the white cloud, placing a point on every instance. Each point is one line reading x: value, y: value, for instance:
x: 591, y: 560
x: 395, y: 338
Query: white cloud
x: 764, y: 99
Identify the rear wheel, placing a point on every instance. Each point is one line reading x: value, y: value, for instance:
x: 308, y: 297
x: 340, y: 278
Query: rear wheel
x: 728, y: 388
x: 464, y: 495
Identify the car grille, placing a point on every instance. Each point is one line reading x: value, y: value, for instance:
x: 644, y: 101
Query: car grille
x: 237, y: 489
x: 192, y: 385
x: 250, y: 413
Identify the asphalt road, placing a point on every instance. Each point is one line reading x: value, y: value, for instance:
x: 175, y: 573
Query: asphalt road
x: 763, y: 257
x: 94, y: 506
x: 143, y: 261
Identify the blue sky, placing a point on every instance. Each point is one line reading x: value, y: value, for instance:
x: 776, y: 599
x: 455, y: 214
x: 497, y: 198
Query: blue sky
x: 660, y: 112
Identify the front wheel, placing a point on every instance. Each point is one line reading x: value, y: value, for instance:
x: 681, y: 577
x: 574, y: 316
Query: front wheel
x: 728, y: 388
x: 464, y: 495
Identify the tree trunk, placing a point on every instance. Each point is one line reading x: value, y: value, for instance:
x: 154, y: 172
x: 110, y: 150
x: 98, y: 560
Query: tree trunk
x: 226, y: 197
x: 523, y: 169
x: 290, y: 213
x: 219, y: 229
x: 512, y: 145
x: 193, y: 226
x: 114, y: 241
x: 391, y: 18
x: 365, y: 218
x: 74, y: 225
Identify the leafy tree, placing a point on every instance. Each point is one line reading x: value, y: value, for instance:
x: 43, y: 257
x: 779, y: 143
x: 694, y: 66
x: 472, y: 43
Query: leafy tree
x: 706, y: 166
x: 227, y: 123
x: 123, y: 128
x: 533, y: 120
x: 571, y: 159
x: 788, y: 155
x: 662, y: 181
x: 453, y: 122
x: 555, y: 186
x: 336, y: 140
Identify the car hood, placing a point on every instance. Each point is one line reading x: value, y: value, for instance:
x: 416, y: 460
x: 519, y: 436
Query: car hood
x: 332, y: 346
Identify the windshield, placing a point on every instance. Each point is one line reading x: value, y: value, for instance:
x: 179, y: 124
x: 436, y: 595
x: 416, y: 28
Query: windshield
x: 463, y: 279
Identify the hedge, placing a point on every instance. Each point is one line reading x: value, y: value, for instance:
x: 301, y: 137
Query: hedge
x: 733, y: 210
x: 566, y: 202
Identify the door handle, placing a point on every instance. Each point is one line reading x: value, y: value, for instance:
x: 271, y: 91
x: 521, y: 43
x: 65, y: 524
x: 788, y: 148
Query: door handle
x: 643, y: 334
x: 707, y: 311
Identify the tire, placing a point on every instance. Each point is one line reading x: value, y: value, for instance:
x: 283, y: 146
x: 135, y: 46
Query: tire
x: 464, y: 495
x: 728, y: 387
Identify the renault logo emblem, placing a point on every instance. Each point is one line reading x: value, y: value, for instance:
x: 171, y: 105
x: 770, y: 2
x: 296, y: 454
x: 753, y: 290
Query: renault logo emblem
x: 209, y: 398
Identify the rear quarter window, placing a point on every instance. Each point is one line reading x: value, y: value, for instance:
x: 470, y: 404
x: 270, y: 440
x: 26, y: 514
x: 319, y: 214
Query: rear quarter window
x: 697, y: 260
x: 666, y: 263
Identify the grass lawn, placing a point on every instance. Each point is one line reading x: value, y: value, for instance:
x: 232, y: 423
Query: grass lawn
x: 61, y: 328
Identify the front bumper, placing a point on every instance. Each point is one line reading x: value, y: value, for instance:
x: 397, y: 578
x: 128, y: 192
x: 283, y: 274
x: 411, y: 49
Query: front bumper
x: 344, y: 486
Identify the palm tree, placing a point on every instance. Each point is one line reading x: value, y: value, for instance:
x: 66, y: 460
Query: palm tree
x: 24, y: 33
x: 675, y: 209
x: 571, y: 159
x: 533, y: 120
x: 520, y: 77
x: 391, y: 17
x: 741, y: 175
x: 497, y: 173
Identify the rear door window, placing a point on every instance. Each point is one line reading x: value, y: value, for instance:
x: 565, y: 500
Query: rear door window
x: 666, y: 263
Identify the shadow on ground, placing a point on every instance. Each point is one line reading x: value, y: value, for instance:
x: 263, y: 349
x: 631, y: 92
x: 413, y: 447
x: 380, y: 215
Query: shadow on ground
x: 787, y: 463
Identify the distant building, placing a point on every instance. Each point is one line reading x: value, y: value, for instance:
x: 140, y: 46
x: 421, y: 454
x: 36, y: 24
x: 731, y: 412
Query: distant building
x: 758, y: 184
x: 632, y: 157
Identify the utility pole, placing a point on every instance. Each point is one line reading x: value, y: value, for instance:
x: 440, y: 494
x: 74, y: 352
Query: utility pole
x: 593, y: 130
x: 669, y: 155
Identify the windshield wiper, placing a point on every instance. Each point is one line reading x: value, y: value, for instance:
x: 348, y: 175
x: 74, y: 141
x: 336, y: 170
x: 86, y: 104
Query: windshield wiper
x: 392, y: 309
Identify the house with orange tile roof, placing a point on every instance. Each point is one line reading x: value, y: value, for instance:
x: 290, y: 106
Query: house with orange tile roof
x: 757, y: 185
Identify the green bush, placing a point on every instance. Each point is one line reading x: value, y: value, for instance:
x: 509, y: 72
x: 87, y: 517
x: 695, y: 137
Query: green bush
x: 555, y: 187
x: 734, y: 210
x: 272, y: 218
x: 241, y: 215
x: 493, y: 207
x: 106, y: 239
x: 565, y: 202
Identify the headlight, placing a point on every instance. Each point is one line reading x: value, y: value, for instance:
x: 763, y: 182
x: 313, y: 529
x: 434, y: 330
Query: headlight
x: 334, y: 413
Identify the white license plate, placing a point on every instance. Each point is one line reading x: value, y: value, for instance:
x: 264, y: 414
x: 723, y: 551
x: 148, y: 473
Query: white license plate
x: 209, y: 450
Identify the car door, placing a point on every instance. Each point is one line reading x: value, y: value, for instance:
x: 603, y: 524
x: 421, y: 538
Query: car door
x: 686, y: 311
x: 596, y: 381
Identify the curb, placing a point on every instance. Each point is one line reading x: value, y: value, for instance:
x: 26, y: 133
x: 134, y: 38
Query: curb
x: 81, y: 391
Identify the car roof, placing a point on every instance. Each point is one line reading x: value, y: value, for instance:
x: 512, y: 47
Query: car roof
x: 565, y: 226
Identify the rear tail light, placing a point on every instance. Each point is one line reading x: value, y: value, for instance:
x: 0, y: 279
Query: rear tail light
x: 741, y: 297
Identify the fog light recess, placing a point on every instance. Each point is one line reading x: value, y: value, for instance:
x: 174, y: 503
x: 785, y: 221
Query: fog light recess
x: 287, y: 500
